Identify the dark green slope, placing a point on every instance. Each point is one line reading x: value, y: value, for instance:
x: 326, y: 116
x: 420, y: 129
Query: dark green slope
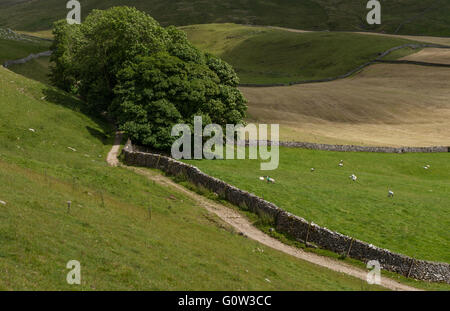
x: 424, y: 17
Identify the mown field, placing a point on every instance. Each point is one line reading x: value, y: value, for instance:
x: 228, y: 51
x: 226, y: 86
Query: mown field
x: 426, y: 17
x: 384, y: 104
x: 108, y: 228
x: 415, y: 222
x: 262, y: 55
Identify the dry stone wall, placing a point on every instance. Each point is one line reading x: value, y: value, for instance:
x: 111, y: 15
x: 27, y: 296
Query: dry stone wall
x: 292, y: 225
x: 350, y: 148
x: 24, y: 60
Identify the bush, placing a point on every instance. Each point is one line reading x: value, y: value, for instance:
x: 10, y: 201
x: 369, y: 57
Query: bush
x: 145, y: 76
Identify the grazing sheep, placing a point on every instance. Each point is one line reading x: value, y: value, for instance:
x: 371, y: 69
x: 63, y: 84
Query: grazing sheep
x: 341, y: 164
x: 32, y: 130
x: 353, y: 177
x: 312, y: 169
x: 268, y: 179
x: 73, y: 149
x: 390, y: 193
x: 2, y: 202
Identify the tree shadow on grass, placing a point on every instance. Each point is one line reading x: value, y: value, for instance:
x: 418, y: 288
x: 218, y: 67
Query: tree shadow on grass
x: 104, y: 138
x: 66, y: 100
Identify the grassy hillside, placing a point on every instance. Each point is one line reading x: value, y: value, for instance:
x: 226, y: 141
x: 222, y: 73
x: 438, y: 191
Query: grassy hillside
x: 261, y: 55
x: 430, y: 17
x: 414, y: 222
x: 108, y: 228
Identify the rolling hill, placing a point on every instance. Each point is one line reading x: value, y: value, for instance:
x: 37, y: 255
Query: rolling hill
x: 384, y: 104
x: 261, y: 55
x: 425, y: 17
x: 51, y: 153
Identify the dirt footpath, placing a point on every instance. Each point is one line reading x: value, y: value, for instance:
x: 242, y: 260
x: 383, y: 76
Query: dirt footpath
x: 242, y: 225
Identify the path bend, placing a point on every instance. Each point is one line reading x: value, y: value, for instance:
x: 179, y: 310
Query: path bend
x: 244, y: 227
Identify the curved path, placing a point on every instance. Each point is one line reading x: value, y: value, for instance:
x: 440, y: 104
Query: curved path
x: 244, y: 227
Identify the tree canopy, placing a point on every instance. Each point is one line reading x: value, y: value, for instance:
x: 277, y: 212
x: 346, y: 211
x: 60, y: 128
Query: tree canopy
x: 147, y: 77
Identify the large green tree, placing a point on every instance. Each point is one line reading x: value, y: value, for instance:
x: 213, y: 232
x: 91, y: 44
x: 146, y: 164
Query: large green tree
x: 145, y: 76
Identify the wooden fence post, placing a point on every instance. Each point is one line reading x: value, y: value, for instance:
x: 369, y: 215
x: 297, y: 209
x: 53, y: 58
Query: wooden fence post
x: 103, y: 200
x: 307, y: 234
x: 349, y: 248
x: 157, y: 162
x: 410, y: 267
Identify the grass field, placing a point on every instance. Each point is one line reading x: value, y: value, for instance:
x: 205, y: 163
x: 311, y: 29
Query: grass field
x: 415, y: 222
x: 429, y: 17
x: 262, y: 55
x: 37, y: 69
x: 398, y: 105
x: 108, y: 228
x: 12, y: 49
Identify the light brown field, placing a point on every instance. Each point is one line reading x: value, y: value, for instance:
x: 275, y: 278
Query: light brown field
x: 431, y: 55
x: 385, y: 104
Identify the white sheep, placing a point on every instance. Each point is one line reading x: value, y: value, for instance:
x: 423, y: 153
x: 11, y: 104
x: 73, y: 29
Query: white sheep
x: 312, y: 169
x: 353, y: 177
x: 267, y: 178
x: 390, y: 193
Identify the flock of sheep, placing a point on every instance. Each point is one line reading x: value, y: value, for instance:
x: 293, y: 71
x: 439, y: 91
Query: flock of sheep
x: 341, y: 164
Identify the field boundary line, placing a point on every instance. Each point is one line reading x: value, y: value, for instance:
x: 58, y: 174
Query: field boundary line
x: 357, y: 69
x: 346, y: 148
